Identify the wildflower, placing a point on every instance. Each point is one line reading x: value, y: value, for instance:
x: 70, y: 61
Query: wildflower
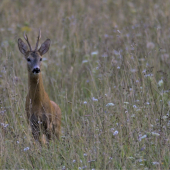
x: 155, y: 163
x: 164, y: 57
x: 155, y: 134
x: 164, y: 117
x: 4, y: 125
x: 126, y: 102
x: 133, y: 115
x: 94, y: 53
x: 116, y: 52
x: 133, y: 70
x: 94, y: 99
x: 85, y: 154
x: 85, y: 61
x: 104, y: 55
x: 109, y: 104
x: 150, y: 45
x: 115, y: 133
x: 142, y: 137
x: 84, y: 102
x: 144, y: 71
x: 134, y: 106
x: 26, y: 149
x: 149, y: 75
x: 39, y: 122
x: 160, y: 83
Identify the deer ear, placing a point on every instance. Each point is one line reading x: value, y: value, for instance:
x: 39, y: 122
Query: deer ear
x: 44, y: 47
x: 22, y: 46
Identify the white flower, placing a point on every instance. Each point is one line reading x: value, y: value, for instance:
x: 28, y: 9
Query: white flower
x: 142, y: 137
x: 133, y: 70
x: 144, y: 71
x: 164, y: 117
x: 39, y: 122
x: 126, y: 102
x: 138, y: 110
x: 150, y: 45
x: 133, y: 115
x: 155, y: 163
x: 94, y: 99
x: 26, y: 149
x: 110, y: 104
x: 94, y: 53
x: 115, y: 133
x: 4, y: 125
x: 160, y: 83
x: 155, y: 134
x: 85, y: 61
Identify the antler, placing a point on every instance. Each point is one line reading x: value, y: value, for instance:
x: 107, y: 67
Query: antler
x: 26, y: 38
x: 38, y: 38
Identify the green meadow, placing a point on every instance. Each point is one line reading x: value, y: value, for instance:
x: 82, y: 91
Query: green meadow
x: 107, y: 69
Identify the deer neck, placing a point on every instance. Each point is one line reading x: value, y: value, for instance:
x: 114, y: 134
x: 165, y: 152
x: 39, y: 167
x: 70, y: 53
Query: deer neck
x: 36, y: 89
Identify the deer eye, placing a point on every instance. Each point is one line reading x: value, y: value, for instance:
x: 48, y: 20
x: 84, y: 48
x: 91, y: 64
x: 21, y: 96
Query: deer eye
x: 28, y: 59
x: 40, y: 59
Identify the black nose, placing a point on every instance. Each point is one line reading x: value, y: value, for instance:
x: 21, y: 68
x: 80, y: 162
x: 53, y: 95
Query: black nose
x: 36, y: 70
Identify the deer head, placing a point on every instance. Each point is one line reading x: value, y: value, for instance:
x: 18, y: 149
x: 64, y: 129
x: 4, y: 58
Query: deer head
x: 33, y: 57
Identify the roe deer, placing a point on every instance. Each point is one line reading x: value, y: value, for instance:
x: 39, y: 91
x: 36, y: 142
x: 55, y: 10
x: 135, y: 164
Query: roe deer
x: 43, y: 115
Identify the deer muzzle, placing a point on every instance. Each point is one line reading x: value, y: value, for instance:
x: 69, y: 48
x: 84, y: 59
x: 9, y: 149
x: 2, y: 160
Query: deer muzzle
x: 36, y: 70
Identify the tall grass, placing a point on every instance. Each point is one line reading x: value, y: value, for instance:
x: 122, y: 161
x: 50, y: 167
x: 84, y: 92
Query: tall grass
x: 107, y: 68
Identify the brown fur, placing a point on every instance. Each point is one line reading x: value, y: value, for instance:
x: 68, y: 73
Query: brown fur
x: 43, y: 115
